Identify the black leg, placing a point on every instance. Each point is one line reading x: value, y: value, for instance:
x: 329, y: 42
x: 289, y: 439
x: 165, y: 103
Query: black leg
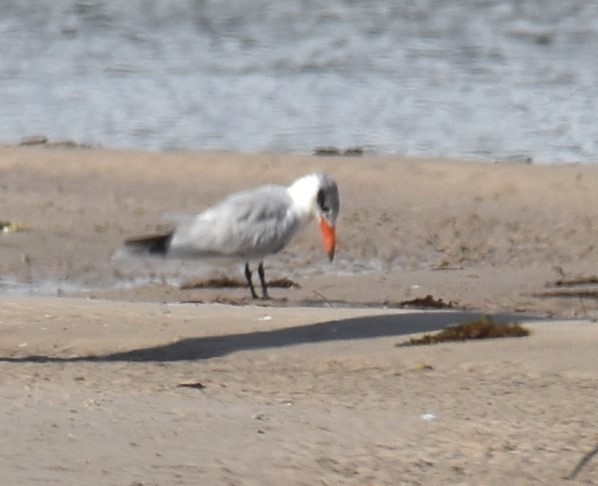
x: 248, y: 277
x: 260, y: 271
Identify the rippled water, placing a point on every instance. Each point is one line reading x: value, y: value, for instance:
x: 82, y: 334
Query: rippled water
x: 470, y: 78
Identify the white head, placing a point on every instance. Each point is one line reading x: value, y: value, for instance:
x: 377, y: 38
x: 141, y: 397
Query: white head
x: 316, y: 195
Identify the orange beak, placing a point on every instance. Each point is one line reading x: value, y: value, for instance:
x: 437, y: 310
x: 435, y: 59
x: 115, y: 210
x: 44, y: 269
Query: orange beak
x: 329, y: 237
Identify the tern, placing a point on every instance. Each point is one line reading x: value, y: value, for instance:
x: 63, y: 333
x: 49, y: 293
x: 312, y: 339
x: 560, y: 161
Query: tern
x: 250, y: 225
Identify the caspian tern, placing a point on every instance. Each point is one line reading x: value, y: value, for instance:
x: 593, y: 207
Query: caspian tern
x: 251, y: 225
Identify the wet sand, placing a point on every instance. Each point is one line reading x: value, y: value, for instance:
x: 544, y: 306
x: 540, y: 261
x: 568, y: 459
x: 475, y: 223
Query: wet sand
x: 309, y: 388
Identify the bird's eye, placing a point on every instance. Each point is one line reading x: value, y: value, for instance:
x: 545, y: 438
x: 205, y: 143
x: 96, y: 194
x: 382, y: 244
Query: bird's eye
x: 322, y: 201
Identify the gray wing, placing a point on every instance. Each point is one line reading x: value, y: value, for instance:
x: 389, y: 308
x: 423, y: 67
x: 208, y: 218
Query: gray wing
x: 249, y: 224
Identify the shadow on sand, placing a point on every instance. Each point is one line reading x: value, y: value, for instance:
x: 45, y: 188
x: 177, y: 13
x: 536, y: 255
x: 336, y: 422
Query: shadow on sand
x: 365, y: 327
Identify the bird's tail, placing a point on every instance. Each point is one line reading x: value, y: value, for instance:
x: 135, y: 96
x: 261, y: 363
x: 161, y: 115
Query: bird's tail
x: 149, y: 245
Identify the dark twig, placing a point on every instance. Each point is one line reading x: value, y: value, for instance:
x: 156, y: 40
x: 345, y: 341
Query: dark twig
x: 585, y: 459
x: 197, y: 385
x: 323, y: 297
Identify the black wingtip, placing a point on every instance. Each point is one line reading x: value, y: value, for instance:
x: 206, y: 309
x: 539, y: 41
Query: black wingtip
x: 152, y: 245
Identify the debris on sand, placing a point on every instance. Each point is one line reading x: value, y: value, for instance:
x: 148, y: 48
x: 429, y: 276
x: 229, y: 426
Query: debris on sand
x: 483, y: 328
x: 231, y: 283
x: 579, y: 287
x: 353, y: 152
x: 575, y: 282
x: 195, y: 384
x: 42, y: 140
x: 214, y: 283
x: 569, y: 294
x: 428, y: 302
x: 283, y: 283
x: 334, y: 151
x: 34, y: 140
x: 10, y: 227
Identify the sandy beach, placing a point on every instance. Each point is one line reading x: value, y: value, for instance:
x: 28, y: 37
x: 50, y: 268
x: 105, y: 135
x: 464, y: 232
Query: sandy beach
x: 114, y: 374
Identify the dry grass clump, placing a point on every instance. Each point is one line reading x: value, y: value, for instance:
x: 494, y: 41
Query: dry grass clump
x: 483, y: 328
x: 428, y: 302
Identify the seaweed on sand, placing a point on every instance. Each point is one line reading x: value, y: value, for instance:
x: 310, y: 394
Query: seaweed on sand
x: 482, y: 328
x: 227, y: 282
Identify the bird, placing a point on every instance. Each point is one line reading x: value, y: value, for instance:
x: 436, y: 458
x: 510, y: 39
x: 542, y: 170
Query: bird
x: 251, y: 225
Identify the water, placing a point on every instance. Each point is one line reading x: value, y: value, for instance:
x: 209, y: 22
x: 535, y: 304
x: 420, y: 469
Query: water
x: 502, y: 79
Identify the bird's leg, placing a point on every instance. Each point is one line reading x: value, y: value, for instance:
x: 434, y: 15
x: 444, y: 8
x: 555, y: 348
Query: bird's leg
x: 260, y: 271
x: 248, y: 277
